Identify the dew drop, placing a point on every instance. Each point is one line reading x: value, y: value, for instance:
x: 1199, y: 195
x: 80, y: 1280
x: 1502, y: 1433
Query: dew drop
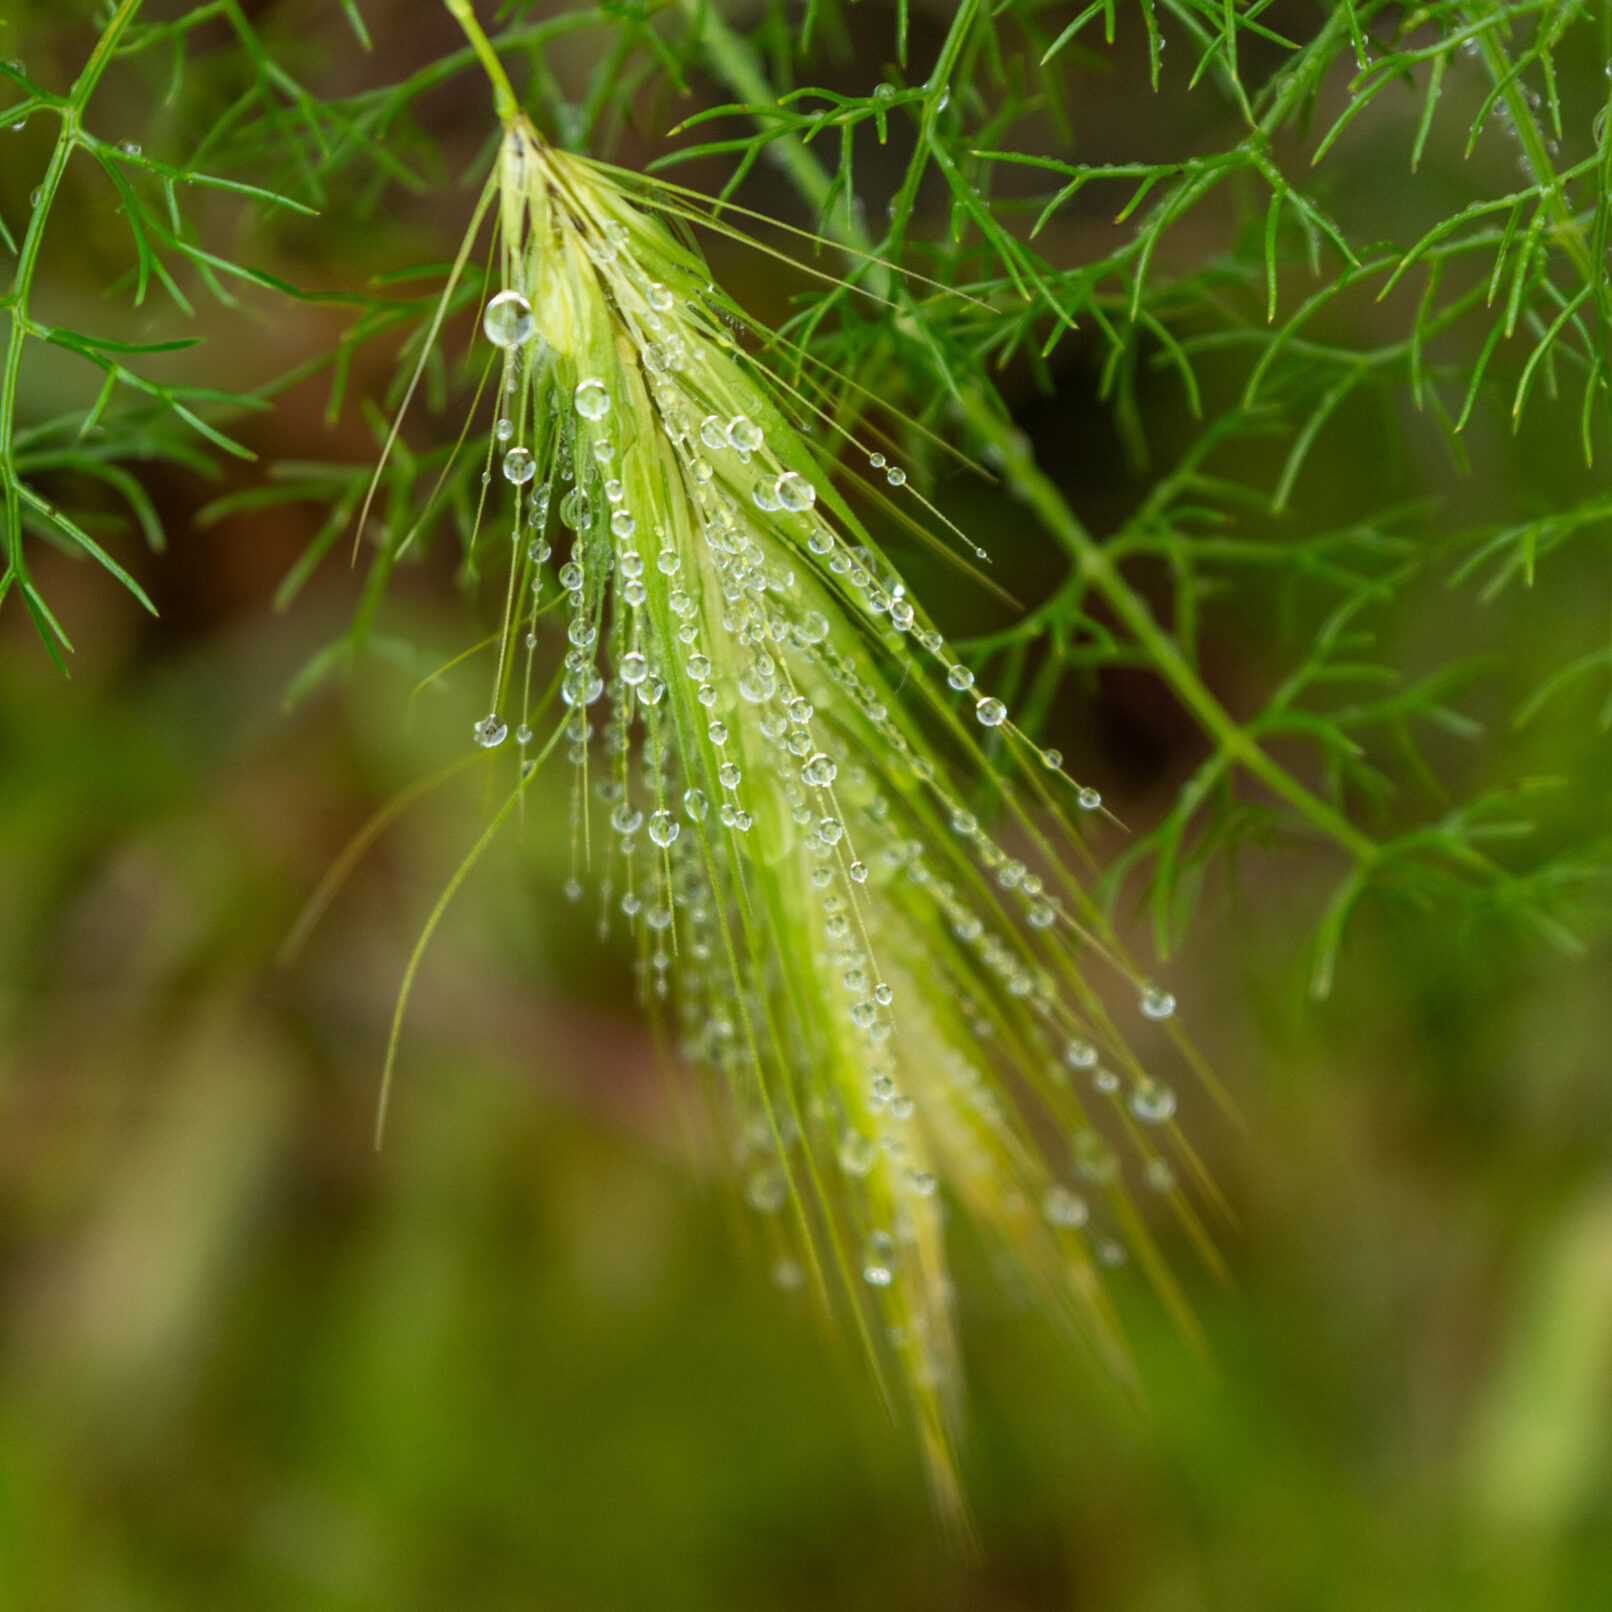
x: 504, y: 430
x: 992, y: 713
x: 858, y: 872
x: 744, y: 433
x: 765, y: 495
x: 1152, y: 1102
x: 634, y: 668
x: 695, y: 805
x: 795, y: 492
x: 658, y: 297
x: 508, y: 319
x: 895, y: 475
x: 519, y: 466
x: 1156, y: 1004
x: 767, y: 1190
x: 490, y: 731
x: 592, y: 400
x: 1089, y: 800
x: 663, y: 828
x: 728, y: 775
x: 1064, y: 1209
x: 960, y: 677
x: 1080, y: 1055
x: 858, y: 1154
x: 819, y: 771
x: 623, y: 524
x: 129, y: 148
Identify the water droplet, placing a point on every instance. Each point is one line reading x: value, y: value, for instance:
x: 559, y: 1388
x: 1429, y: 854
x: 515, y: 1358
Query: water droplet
x: 767, y: 1189
x: 830, y: 831
x: 695, y: 805
x: 1151, y: 1101
x: 504, y: 430
x: 858, y: 1154
x: 658, y: 297
x: 592, y: 400
x: 508, y: 319
x: 876, y: 460
x: 728, y: 775
x: 895, y: 475
x: 490, y: 731
x: 744, y: 433
x: 519, y: 466
x: 819, y: 771
x: 765, y: 495
x: 634, y: 668
x: 1158, y: 1174
x: 960, y: 677
x: 1089, y: 800
x: 623, y: 524
x: 1156, y: 1004
x: 1094, y: 1158
x: 616, y: 232
x: 663, y: 827
x: 34, y: 195
x: 576, y: 510
x: 858, y: 872
x: 992, y: 713
x: 713, y: 434
x: 1080, y: 1055
x: 795, y: 492
x: 129, y: 148
x: 1052, y: 760
x: 879, y: 1259
x: 1064, y: 1208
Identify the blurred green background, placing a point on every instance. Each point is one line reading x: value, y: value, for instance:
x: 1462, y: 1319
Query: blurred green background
x: 522, y: 1357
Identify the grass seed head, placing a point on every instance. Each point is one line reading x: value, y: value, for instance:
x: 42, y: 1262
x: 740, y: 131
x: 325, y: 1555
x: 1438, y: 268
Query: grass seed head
x: 892, y: 1013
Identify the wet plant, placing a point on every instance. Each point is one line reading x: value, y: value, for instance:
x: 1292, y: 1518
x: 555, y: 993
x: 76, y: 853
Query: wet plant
x: 854, y: 871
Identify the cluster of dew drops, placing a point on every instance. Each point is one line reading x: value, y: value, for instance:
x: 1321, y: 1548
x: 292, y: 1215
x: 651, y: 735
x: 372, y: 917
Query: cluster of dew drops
x: 508, y: 324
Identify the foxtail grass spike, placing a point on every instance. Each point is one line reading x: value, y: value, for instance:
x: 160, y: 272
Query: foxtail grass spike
x: 895, y: 1017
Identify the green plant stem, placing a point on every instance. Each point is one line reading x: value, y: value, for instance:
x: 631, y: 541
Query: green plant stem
x: 504, y: 100
x: 733, y: 60
x: 15, y: 301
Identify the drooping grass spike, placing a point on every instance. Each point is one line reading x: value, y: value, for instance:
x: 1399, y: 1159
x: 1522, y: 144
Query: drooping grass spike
x: 893, y: 1014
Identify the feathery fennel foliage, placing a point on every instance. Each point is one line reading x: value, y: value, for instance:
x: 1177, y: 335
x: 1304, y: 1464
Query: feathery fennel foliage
x: 1369, y: 212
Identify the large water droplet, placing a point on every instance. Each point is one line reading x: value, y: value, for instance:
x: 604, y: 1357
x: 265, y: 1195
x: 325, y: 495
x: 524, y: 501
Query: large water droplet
x: 795, y: 492
x: 519, y: 466
x: 508, y: 319
x: 858, y: 1154
x: 744, y: 433
x: 1064, y: 1209
x: 992, y: 713
x: 634, y: 668
x: 1152, y: 1101
x: 592, y: 400
x: 1156, y: 1004
x: 663, y: 827
x: 490, y: 731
